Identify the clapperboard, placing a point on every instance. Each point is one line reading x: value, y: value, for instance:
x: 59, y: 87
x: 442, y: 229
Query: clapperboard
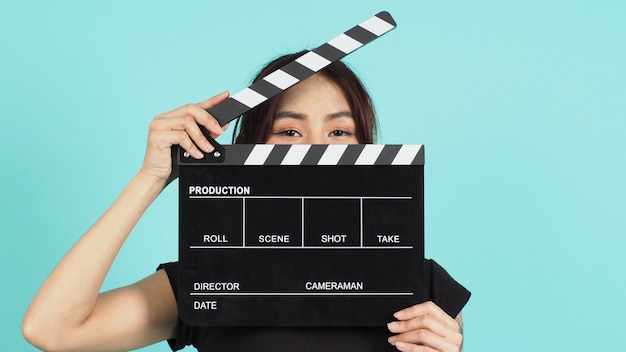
x: 300, y: 235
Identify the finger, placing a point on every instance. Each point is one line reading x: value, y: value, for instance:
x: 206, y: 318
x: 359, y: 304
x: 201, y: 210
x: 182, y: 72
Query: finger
x: 404, y: 346
x: 199, y: 117
x: 428, y: 322
x: 214, y: 126
x: 202, y: 117
x: 428, y: 338
x: 184, y: 123
x: 426, y: 308
x: 211, y: 102
x: 182, y: 139
x: 163, y: 140
x: 214, y: 136
x: 411, y: 330
x: 199, y: 112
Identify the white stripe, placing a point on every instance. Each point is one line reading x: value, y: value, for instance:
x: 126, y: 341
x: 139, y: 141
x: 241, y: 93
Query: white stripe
x: 259, y: 154
x: 406, y: 154
x: 345, y: 43
x: 376, y: 26
x: 281, y: 79
x: 249, y: 98
x: 313, y: 61
x: 332, y: 154
x: 369, y: 154
x: 296, y: 154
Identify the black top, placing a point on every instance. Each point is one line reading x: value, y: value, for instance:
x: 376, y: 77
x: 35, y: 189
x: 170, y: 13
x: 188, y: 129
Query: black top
x: 443, y: 290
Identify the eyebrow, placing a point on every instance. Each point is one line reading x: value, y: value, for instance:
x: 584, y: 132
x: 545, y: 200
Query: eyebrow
x: 299, y: 116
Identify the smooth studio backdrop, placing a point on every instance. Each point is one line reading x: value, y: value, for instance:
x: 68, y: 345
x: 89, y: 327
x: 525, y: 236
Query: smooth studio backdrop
x: 521, y: 106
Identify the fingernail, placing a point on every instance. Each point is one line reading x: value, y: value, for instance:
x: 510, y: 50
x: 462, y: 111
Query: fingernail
x: 401, y: 345
x: 208, y: 147
x: 392, y: 326
x: 399, y: 314
x: 216, y: 129
x: 392, y: 340
x: 198, y: 154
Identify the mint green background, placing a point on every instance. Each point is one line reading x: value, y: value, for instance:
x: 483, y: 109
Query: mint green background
x: 521, y: 106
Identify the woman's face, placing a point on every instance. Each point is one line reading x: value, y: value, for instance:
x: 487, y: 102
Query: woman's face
x: 315, y: 111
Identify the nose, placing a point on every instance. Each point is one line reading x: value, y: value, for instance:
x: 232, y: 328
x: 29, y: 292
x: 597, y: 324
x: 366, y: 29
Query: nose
x: 314, y: 139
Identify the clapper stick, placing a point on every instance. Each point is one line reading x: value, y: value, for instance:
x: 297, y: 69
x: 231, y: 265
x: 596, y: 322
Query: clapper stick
x: 302, y: 67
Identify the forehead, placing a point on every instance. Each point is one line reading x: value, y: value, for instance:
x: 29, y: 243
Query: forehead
x: 316, y: 91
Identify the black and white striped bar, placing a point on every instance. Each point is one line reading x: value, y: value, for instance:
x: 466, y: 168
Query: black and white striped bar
x: 303, y: 67
x: 317, y: 154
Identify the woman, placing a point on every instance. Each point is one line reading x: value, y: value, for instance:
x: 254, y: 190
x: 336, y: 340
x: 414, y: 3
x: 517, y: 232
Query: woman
x: 69, y: 314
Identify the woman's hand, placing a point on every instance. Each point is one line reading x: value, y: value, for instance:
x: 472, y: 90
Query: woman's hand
x: 426, y: 327
x: 180, y: 127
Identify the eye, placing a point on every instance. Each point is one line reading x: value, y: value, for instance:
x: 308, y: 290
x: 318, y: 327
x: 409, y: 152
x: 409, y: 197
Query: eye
x: 288, y: 133
x: 340, y: 133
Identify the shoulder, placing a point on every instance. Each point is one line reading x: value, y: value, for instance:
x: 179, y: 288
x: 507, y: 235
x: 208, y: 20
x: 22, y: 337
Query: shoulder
x: 169, y: 271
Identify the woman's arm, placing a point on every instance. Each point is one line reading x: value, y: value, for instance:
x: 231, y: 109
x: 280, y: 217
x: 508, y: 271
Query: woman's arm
x: 426, y: 327
x: 68, y: 313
